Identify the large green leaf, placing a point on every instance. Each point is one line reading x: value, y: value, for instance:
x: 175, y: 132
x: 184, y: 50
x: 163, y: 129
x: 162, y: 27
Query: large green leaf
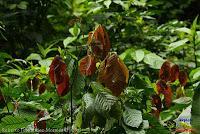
x: 138, y: 55
x: 104, y: 102
x: 68, y: 40
x: 153, y: 60
x: 178, y: 44
x: 196, y: 109
x: 14, y: 72
x: 88, y: 100
x: 132, y: 117
x: 13, y: 122
x: 34, y: 56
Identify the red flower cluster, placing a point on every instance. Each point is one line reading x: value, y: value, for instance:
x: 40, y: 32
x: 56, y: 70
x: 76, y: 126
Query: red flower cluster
x: 59, y: 76
x: 168, y: 73
x: 113, y: 73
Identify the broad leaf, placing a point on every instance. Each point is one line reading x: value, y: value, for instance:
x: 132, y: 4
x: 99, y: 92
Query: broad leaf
x: 34, y: 56
x: 14, y: 122
x: 196, y: 109
x: 68, y: 40
x: 178, y: 44
x: 138, y: 55
x: 104, y: 102
x: 132, y: 117
x: 153, y: 60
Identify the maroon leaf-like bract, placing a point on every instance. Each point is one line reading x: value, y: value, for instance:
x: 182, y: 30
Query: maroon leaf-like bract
x: 99, y: 42
x: 156, y: 101
x: 54, y: 64
x: 174, y: 72
x: 113, y: 74
x: 63, y: 87
x: 161, y: 86
x: 87, y: 65
x: 59, y: 76
x: 165, y: 70
x: 183, y: 78
x: 168, y: 96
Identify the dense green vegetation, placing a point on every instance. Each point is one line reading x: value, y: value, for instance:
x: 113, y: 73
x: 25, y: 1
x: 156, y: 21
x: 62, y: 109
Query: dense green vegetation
x: 120, y: 78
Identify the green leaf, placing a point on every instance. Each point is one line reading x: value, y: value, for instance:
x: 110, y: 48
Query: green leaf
x: 32, y: 105
x: 156, y: 127
x: 184, y: 29
x: 195, y: 74
x: 78, y: 121
x: 196, y: 109
x: 79, y: 85
x: 183, y: 100
x: 104, y: 102
x: 88, y: 100
x: 132, y: 117
x: 5, y: 55
x: 153, y: 60
x: 109, y: 124
x: 138, y: 55
x: 75, y: 31
x: 34, y: 56
x: 14, y: 72
x: 68, y: 40
x: 126, y: 54
x: 107, y: 3
x: 178, y: 44
x: 13, y: 122
x: 194, y: 25
x: 22, y: 5
x: 97, y: 87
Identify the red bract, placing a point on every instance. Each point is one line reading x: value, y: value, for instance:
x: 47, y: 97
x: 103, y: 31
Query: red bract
x: 99, y: 42
x: 183, y: 78
x: 63, y: 87
x: 156, y: 101
x: 168, y: 96
x: 59, y: 76
x: 174, y: 73
x: 87, y: 65
x: 164, y: 73
x: 161, y: 86
x: 113, y: 74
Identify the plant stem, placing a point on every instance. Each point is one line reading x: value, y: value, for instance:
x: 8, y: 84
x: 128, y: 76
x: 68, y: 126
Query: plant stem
x: 194, y: 48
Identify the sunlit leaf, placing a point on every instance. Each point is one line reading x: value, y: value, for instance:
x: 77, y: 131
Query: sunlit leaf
x: 153, y: 60
x: 34, y: 56
x: 178, y: 44
x: 132, y: 117
x: 68, y: 40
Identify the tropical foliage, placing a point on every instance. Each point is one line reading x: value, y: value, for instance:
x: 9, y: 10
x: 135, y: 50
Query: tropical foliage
x: 106, y: 66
